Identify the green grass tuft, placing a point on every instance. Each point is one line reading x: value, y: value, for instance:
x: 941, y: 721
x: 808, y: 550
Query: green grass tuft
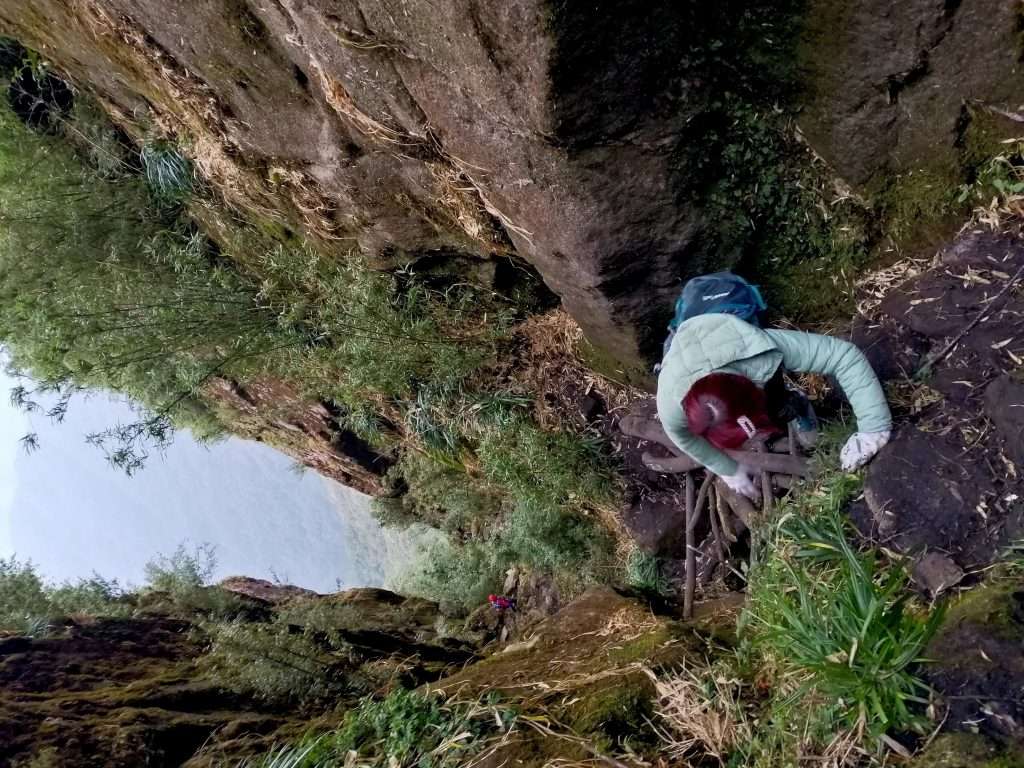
x: 836, y: 625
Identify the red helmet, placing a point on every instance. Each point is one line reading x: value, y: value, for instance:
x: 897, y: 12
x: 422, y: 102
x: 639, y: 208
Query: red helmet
x: 727, y: 410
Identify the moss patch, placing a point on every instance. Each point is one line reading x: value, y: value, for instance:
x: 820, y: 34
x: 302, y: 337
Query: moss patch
x: 619, y: 708
x: 968, y: 750
x: 992, y: 606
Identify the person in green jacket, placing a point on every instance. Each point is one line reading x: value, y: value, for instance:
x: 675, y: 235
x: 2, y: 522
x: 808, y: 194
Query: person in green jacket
x: 707, y: 346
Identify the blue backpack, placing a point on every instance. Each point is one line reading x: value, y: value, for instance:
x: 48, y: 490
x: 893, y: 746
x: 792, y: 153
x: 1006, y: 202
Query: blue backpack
x: 721, y: 293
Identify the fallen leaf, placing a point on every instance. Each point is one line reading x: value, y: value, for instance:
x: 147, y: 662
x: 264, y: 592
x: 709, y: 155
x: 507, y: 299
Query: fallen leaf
x: 1003, y: 343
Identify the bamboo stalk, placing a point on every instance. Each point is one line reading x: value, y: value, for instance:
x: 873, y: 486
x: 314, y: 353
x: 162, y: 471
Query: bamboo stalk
x: 766, y: 486
x: 778, y: 463
x: 691, y: 575
x: 715, y: 530
x: 792, y: 450
x: 723, y: 516
x: 702, y: 496
x: 740, y: 505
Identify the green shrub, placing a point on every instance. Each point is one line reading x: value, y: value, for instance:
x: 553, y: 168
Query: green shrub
x: 184, y: 577
x: 998, y: 177
x: 643, y: 573
x: 168, y: 173
x: 99, y: 290
x: 275, y: 661
x: 95, y: 596
x: 438, y: 495
x: 23, y: 599
x: 28, y: 605
x: 838, y: 621
x: 454, y: 574
x: 182, y: 571
x: 528, y: 497
x: 412, y: 729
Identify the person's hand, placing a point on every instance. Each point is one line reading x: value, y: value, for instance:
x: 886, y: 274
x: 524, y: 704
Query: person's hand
x: 861, y: 448
x: 742, y: 482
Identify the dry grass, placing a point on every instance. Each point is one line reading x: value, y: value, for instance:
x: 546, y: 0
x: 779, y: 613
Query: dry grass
x: 341, y: 101
x: 551, y: 356
x: 700, y: 714
x: 999, y: 213
x: 625, y: 626
x: 911, y: 396
x: 873, y: 287
x: 457, y: 196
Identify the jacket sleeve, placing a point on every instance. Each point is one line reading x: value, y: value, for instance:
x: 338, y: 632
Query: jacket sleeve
x: 673, y: 421
x: 814, y: 353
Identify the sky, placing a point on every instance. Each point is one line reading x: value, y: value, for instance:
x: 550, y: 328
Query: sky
x: 12, y: 422
x: 63, y: 507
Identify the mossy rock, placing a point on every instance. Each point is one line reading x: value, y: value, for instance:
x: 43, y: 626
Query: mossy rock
x: 616, y: 708
x: 977, y: 658
x: 968, y: 750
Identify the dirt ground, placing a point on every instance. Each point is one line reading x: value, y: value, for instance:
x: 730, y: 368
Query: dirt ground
x: 952, y: 479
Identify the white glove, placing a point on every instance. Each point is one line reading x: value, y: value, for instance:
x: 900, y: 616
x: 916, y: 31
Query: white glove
x: 742, y: 482
x: 861, y: 448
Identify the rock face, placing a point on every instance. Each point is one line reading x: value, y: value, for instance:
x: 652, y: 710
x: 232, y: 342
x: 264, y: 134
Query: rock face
x: 567, y: 136
x: 978, y: 657
x: 273, y: 412
x: 125, y: 692
x: 888, y: 83
x: 132, y: 692
x: 461, y: 127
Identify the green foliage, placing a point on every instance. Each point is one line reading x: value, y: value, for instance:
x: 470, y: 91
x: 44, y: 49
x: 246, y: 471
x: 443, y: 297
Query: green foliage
x: 278, y: 662
x: 548, y: 485
x: 168, y: 173
x: 643, y: 573
x: 999, y: 176
x: 412, y: 729
x: 94, y: 596
x: 773, y: 204
x: 23, y: 599
x: 184, y: 577
x: 454, y: 574
x: 28, y: 605
x: 95, y: 139
x: 183, y: 571
x: 839, y: 622
x: 98, y: 292
x: 373, y: 335
x: 507, y: 491
x: 439, y: 495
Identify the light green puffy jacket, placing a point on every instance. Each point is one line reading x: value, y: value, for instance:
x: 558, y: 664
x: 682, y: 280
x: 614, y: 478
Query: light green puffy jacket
x: 718, y: 343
